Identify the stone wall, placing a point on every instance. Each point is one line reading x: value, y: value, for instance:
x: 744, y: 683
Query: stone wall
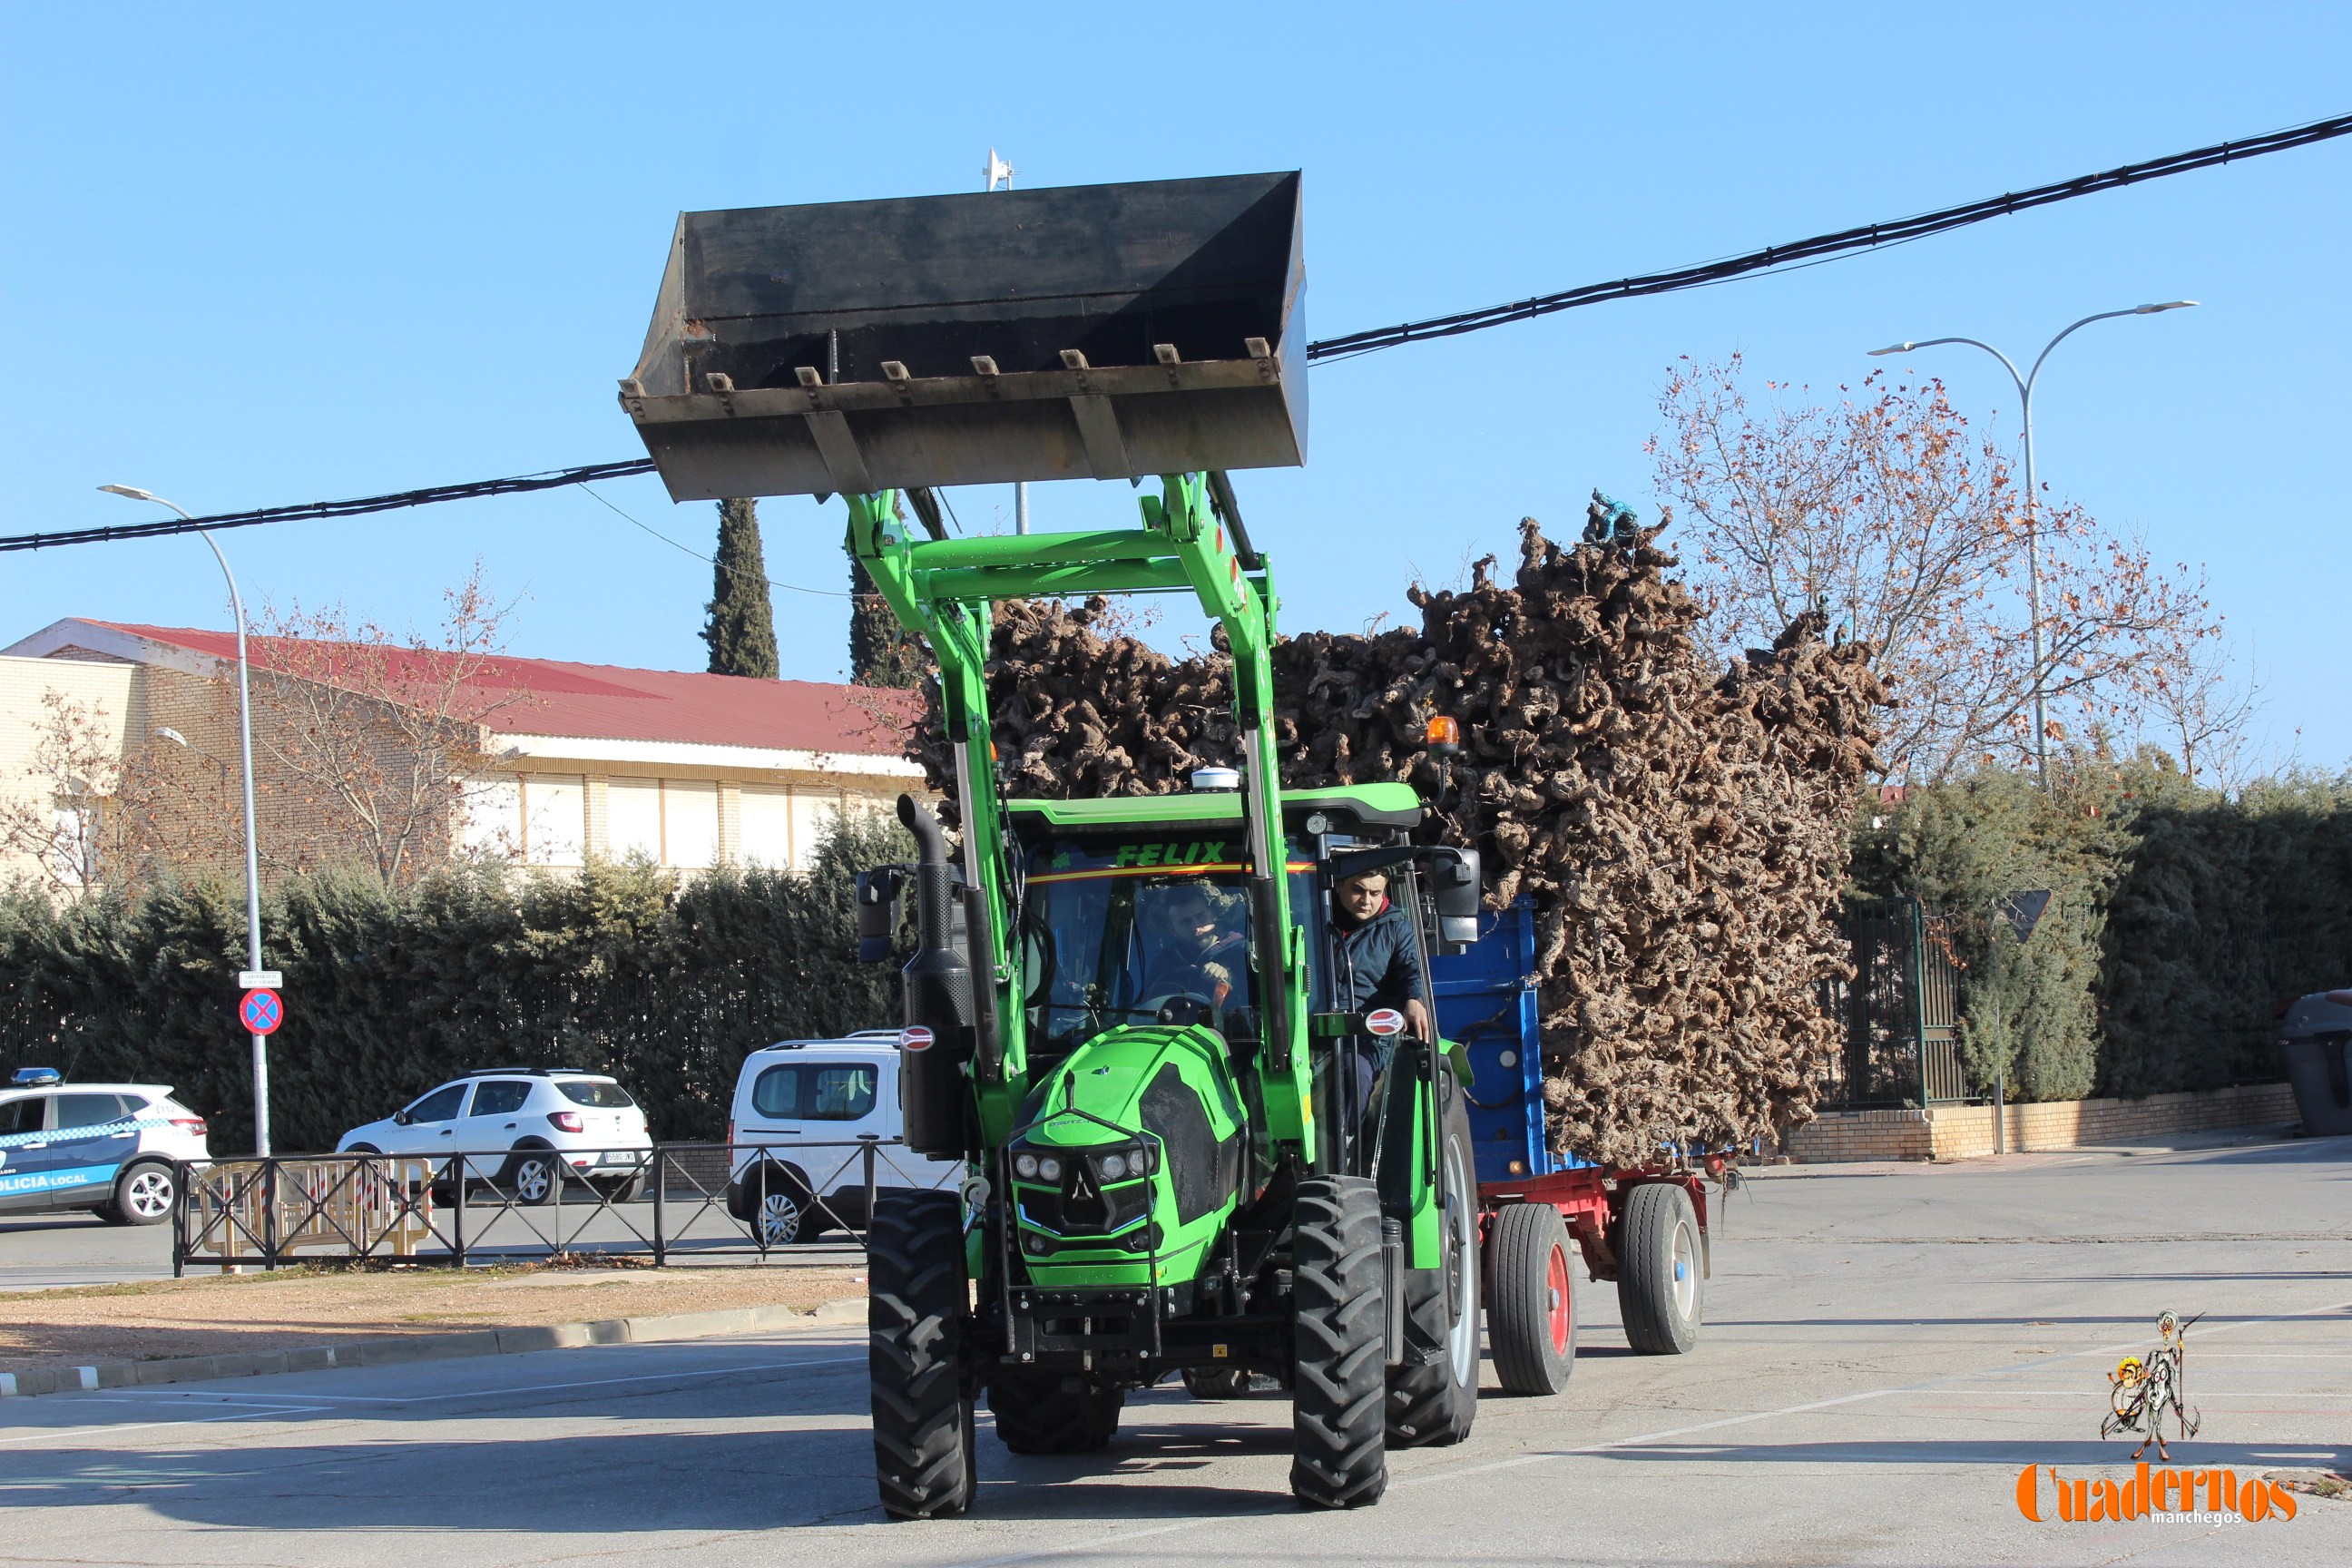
x: 1967, y: 1131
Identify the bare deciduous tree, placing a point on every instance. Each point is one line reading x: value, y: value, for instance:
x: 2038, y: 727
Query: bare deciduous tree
x: 382, y: 740
x: 2200, y: 706
x: 1884, y: 513
x: 66, y: 820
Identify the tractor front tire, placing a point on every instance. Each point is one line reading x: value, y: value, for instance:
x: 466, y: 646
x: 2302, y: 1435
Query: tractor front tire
x: 1661, y: 1271
x: 1531, y: 1312
x: 1340, y: 1337
x: 1433, y: 1393
x: 925, y: 1457
x: 1040, y: 1413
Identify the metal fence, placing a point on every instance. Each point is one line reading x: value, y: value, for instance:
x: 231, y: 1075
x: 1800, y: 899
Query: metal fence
x: 676, y: 1202
x: 1899, y: 1015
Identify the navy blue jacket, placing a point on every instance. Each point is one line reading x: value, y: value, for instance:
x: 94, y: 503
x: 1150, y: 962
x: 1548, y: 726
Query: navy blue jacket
x: 1379, y: 964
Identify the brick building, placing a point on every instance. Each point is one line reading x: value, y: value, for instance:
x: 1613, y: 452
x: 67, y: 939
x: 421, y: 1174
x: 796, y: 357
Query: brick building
x: 561, y: 762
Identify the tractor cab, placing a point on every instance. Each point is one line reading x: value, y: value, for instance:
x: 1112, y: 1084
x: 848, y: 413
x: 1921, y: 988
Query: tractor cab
x: 1131, y: 913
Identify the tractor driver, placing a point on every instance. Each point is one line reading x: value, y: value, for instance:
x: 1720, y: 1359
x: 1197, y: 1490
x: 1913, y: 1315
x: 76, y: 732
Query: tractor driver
x: 1191, y: 949
x: 1380, y: 962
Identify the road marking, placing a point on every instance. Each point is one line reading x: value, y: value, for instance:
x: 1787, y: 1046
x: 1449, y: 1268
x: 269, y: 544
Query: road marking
x: 1945, y: 1381
x: 1433, y: 1475
x: 53, y: 1434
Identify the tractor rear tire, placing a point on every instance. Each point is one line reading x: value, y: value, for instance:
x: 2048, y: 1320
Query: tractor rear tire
x: 1531, y: 1313
x: 1340, y: 1340
x: 925, y: 1457
x: 1433, y: 1393
x: 1661, y: 1272
x: 1039, y: 1413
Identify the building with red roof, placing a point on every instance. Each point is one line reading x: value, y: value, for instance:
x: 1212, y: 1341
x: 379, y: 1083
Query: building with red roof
x: 581, y: 760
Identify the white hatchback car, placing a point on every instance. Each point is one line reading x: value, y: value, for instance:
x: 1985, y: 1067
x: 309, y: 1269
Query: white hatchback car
x: 802, y: 1110
x: 112, y: 1148
x: 526, y: 1129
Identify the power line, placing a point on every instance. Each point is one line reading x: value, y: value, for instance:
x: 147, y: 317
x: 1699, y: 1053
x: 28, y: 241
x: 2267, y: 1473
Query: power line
x: 1825, y: 246
x: 1771, y: 258
x: 699, y: 555
x: 554, y: 478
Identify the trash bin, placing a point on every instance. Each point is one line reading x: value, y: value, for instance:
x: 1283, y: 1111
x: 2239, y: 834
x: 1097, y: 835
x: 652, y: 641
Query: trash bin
x: 2316, y: 1039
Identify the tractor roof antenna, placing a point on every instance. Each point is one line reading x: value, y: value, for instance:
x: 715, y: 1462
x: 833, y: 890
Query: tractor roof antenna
x: 994, y: 171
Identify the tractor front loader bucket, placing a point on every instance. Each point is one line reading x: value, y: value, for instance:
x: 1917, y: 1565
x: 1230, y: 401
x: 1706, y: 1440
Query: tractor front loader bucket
x: 1101, y: 332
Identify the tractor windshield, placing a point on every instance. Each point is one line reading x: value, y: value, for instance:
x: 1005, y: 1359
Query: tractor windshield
x: 1131, y: 931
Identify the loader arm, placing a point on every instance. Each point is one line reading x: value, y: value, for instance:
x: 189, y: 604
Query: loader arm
x: 941, y: 590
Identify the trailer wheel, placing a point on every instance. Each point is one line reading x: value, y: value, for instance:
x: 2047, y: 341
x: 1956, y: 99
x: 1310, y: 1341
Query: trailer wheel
x: 1433, y: 1394
x: 925, y: 1458
x: 1215, y: 1383
x: 1340, y: 1338
x: 1661, y: 1284
x: 1040, y: 1413
x: 1531, y: 1316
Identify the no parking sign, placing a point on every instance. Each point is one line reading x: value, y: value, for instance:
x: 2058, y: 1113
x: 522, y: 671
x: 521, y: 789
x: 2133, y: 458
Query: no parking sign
x: 261, y: 1012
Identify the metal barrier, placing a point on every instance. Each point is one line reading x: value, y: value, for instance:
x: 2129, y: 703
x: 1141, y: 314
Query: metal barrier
x: 1899, y: 1015
x: 670, y: 1202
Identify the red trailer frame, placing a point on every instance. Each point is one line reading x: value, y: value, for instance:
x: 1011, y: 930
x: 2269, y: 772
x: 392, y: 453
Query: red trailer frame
x: 1525, y: 1226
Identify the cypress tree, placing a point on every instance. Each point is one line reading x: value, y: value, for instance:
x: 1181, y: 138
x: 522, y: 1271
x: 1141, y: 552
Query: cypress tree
x: 881, y: 651
x: 741, y: 632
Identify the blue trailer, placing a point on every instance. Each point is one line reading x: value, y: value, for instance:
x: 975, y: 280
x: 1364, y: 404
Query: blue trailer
x: 1644, y: 1229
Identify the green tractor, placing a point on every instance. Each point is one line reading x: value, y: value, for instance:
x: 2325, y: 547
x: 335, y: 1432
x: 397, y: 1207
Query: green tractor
x: 1190, y: 1148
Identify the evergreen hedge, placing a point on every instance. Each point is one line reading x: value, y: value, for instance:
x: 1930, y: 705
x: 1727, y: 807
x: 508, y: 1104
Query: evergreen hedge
x: 2182, y: 917
x: 388, y: 993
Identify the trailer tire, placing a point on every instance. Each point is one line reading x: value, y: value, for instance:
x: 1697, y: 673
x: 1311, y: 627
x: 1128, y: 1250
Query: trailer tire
x: 1531, y: 1313
x: 1216, y: 1383
x: 1340, y: 1344
x: 925, y: 1458
x: 1661, y: 1277
x: 1039, y: 1413
x: 1433, y: 1393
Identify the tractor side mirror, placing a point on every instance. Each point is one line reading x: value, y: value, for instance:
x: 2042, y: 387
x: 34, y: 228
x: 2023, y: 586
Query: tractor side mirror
x: 877, y: 912
x: 1454, y: 887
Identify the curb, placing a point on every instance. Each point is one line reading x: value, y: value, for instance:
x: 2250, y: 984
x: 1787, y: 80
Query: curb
x: 400, y: 1350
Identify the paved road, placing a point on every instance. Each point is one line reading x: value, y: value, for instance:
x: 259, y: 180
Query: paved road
x: 1885, y: 1348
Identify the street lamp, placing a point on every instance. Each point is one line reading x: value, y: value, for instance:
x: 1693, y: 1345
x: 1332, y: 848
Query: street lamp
x: 997, y: 174
x: 2033, y: 494
x: 252, y: 853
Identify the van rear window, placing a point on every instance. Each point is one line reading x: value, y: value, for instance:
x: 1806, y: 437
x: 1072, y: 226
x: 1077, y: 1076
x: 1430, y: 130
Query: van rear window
x: 603, y: 1096
x: 815, y: 1091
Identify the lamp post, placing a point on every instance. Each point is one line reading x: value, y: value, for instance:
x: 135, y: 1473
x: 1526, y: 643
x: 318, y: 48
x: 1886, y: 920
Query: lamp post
x: 252, y: 852
x: 2032, y: 492
x: 998, y: 174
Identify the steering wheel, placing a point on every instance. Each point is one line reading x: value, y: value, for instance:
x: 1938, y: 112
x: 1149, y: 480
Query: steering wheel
x: 1157, y: 1006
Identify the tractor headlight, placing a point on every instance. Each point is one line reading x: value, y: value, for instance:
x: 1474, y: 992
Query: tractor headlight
x: 1124, y: 1163
x: 1025, y: 1165
x: 1049, y: 1168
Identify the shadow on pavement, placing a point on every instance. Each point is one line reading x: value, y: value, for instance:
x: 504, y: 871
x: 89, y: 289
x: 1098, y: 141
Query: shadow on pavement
x: 817, y: 1472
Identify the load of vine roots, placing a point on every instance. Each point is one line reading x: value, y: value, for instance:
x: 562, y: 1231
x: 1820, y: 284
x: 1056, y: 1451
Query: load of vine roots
x: 1680, y: 828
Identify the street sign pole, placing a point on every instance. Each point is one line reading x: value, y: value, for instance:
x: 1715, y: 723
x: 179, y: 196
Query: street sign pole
x: 257, y: 981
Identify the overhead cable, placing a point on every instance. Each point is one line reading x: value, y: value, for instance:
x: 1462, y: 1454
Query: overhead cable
x: 1823, y: 246
x: 1771, y: 258
x: 554, y: 478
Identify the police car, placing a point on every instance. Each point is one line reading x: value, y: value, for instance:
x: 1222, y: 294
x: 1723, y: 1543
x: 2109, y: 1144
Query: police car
x: 110, y: 1148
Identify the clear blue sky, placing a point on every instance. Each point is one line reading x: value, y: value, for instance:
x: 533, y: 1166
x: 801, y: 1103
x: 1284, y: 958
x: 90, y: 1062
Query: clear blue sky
x: 264, y: 255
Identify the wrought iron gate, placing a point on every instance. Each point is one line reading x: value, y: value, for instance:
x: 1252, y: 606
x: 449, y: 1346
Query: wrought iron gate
x: 1899, y: 1015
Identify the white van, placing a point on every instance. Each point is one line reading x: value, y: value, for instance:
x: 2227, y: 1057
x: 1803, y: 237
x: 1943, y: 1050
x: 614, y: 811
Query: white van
x: 801, y: 1108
